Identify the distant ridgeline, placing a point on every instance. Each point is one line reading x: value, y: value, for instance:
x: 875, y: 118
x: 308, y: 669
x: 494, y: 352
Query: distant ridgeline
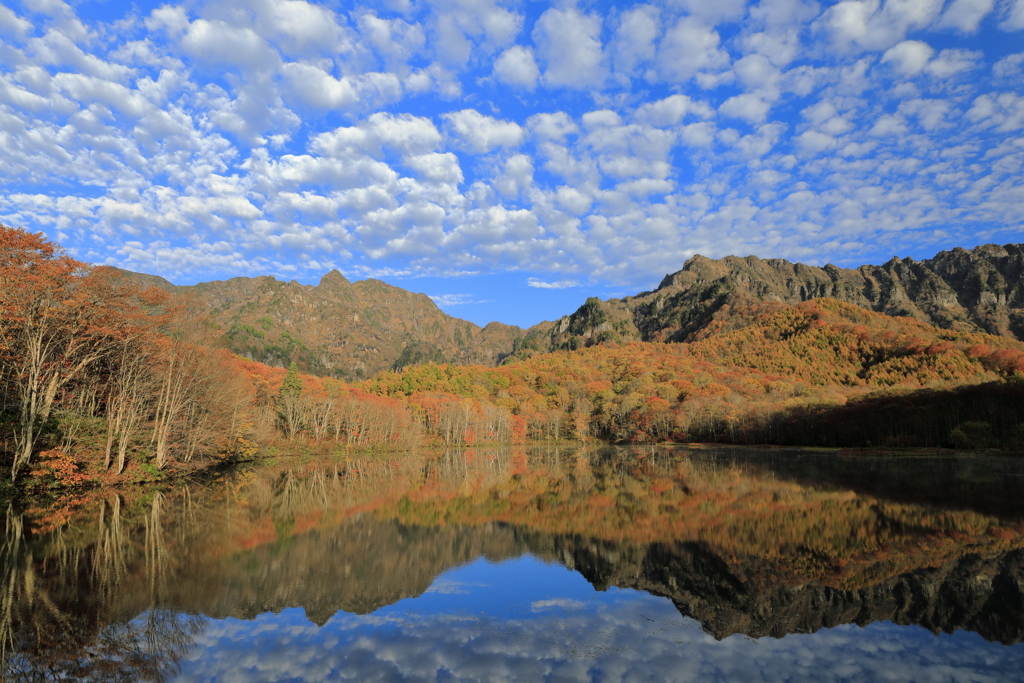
x: 111, y: 376
x: 337, y: 328
x: 979, y: 290
x: 354, y: 330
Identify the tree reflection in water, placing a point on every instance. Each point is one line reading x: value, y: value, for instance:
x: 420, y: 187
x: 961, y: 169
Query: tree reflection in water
x: 60, y: 616
x: 744, y: 542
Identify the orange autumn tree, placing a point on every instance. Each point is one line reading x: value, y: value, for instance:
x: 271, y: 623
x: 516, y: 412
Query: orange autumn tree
x: 59, y: 318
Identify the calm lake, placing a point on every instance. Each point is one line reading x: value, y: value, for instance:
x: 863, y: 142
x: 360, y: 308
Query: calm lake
x: 610, y: 564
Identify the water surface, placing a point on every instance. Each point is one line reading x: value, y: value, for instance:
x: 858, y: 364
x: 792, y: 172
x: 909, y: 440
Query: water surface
x: 661, y: 564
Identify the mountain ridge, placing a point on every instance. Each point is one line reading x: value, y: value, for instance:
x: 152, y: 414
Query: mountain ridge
x: 965, y: 290
x: 336, y: 327
x: 356, y: 329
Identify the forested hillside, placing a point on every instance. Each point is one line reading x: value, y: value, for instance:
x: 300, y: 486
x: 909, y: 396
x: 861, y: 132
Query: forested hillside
x: 343, y: 329
x: 104, y: 380
x: 784, y: 367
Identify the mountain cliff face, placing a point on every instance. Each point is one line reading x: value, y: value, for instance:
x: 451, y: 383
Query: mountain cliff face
x: 980, y: 289
x: 338, y: 328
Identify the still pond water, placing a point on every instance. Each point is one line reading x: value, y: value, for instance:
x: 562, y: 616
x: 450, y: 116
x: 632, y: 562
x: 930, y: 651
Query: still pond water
x: 617, y: 564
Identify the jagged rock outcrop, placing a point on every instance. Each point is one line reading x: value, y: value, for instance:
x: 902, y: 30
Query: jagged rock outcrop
x: 981, y: 289
x: 339, y: 328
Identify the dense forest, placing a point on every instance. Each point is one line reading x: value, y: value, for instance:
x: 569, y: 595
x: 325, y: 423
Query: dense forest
x: 104, y: 379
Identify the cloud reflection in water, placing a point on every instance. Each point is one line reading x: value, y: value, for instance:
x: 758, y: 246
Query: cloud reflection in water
x: 524, y: 620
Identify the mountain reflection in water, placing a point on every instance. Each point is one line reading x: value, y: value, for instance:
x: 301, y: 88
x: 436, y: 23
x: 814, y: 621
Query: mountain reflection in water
x: 374, y: 568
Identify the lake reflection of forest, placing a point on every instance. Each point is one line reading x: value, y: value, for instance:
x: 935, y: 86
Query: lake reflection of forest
x: 758, y: 543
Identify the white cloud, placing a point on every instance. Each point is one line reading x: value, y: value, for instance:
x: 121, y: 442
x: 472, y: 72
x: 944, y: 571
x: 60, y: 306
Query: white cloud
x: 671, y: 111
x: 395, y: 40
x: 436, y: 167
x: 217, y: 42
x: 444, y: 301
x: 931, y: 114
x: 1011, y: 66
x: 952, y: 62
x: 300, y: 28
x: 552, y: 126
x: 601, y: 118
x: 482, y: 133
x: 689, y: 47
x: 569, y: 45
x: 634, y: 42
x: 872, y: 25
x: 560, y: 284
x: 462, y: 26
x: 1012, y: 15
x: 11, y: 25
x: 316, y: 88
x: 406, y: 133
x: 572, y: 200
x: 516, y: 66
x: 1004, y: 112
x: 173, y: 20
x: 715, y: 12
x: 516, y: 177
x: 965, y: 15
x: 698, y: 134
x: 748, y: 106
x: 183, y: 138
x: 562, y: 603
x: 909, y: 57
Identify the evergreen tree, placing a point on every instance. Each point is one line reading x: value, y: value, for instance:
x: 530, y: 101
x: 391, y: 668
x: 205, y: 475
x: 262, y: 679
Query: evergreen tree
x: 290, y: 401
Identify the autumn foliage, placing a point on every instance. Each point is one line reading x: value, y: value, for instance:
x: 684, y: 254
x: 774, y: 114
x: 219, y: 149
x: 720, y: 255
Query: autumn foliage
x: 774, y: 374
x: 112, y: 383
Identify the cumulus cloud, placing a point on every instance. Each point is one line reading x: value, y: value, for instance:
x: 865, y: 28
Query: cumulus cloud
x: 965, y: 15
x: 205, y: 141
x: 909, y: 57
x: 751, y: 107
x: 689, y: 47
x: 218, y: 42
x: 874, y: 25
x: 444, y: 301
x: 11, y: 25
x: 569, y: 44
x: 634, y: 44
x: 317, y: 88
x: 912, y: 57
x: 560, y: 284
x: 482, y: 133
x: 1009, y: 67
x: 1004, y: 111
x: 1012, y: 15
x: 516, y: 66
x: 516, y: 177
x: 671, y: 111
x: 552, y: 126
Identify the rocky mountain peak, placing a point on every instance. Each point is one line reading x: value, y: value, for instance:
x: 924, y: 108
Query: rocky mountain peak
x: 979, y: 289
x: 334, y: 279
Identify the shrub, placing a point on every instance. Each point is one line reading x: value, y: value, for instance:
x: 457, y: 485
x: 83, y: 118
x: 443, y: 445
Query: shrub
x: 969, y: 435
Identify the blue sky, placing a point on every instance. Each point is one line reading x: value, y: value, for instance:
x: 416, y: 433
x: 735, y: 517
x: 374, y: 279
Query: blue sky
x: 509, y: 158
